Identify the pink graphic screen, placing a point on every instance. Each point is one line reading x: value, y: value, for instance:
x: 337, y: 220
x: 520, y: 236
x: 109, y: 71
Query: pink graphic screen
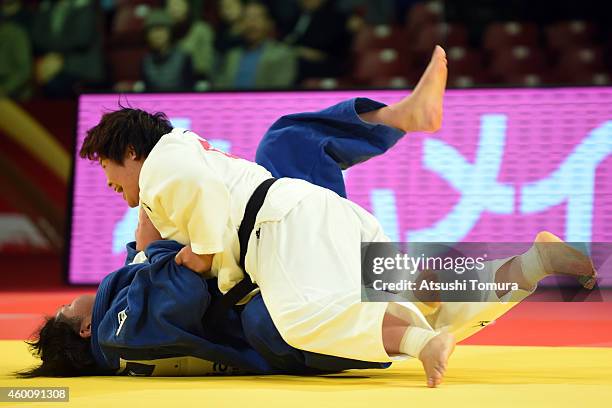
x: 506, y: 164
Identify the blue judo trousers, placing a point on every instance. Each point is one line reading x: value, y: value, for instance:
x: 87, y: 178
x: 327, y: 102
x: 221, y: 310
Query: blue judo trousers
x: 154, y: 310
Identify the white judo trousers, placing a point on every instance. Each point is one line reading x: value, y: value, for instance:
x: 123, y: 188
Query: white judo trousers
x: 308, y: 267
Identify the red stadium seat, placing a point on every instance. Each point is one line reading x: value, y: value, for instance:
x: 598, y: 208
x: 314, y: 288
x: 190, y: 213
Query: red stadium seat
x: 532, y: 79
x: 462, y: 81
x: 326, y: 83
x: 125, y: 64
x: 593, y: 78
x: 426, y: 13
x: 379, y: 37
x: 464, y: 61
x: 466, y: 68
x: 444, y: 34
x: 398, y: 82
x: 379, y: 64
x: 421, y: 15
x: 569, y: 34
x: 517, y: 60
x: 504, y: 35
x: 581, y: 62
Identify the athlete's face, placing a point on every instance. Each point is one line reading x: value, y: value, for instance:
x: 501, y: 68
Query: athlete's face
x: 123, y: 177
x: 79, y: 309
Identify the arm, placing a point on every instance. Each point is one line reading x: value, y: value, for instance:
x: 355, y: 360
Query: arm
x: 145, y: 231
x: 146, y: 234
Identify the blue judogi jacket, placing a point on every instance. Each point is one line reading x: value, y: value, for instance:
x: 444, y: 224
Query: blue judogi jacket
x: 154, y: 310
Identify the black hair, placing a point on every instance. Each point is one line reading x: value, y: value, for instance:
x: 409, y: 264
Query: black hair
x: 62, y: 351
x: 124, y: 128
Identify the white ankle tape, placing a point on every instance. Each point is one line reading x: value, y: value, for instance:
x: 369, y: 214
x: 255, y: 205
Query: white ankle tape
x: 516, y: 295
x: 532, y: 266
x: 414, y: 340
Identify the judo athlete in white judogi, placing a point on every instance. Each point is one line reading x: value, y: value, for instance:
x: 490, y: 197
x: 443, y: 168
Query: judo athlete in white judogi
x: 304, y: 252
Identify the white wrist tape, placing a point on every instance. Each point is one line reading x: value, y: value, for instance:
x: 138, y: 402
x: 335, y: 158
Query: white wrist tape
x: 532, y: 266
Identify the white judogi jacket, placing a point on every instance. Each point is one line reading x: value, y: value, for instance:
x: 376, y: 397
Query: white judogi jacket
x: 196, y: 195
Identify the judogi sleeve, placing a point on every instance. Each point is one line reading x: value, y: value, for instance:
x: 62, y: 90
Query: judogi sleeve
x: 177, y: 188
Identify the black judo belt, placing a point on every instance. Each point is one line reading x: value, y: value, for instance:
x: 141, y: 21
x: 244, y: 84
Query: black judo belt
x: 219, y: 306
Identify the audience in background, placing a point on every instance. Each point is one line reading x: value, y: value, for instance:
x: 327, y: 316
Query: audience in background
x: 196, y: 7
x: 15, y: 12
x: 193, y: 36
x: 262, y: 62
x: 321, y: 40
x: 369, y: 11
x: 166, y: 67
x: 68, y: 43
x: 54, y: 47
x: 284, y: 13
x: 229, y: 31
x: 15, y: 61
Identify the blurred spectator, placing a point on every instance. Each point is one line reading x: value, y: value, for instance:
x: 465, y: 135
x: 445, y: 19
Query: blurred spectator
x: 67, y: 41
x: 321, y: 39
x: 166, y: 67
x: 229, y: 32
x: 196, y: 7
x: 262, y: 62
x: 193, y: 36
x: 109, y: 9
x: 15, y: 61
x: 370, y: 12
x: 15, y: 12
x: 284, y: 13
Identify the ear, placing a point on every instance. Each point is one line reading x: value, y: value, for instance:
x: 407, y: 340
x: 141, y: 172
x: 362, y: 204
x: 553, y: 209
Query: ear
x: 131, y: 153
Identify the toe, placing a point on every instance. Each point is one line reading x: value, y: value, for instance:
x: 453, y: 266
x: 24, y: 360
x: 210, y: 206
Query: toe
x: 439, y: 52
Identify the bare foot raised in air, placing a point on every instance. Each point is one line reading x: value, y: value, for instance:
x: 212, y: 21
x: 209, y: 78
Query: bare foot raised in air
x: 558, y: 258
x: 421, y: 111
x: 434, y: 357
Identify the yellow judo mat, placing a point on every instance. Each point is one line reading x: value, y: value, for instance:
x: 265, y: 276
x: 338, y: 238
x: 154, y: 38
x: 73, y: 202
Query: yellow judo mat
x: 478, y: 376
